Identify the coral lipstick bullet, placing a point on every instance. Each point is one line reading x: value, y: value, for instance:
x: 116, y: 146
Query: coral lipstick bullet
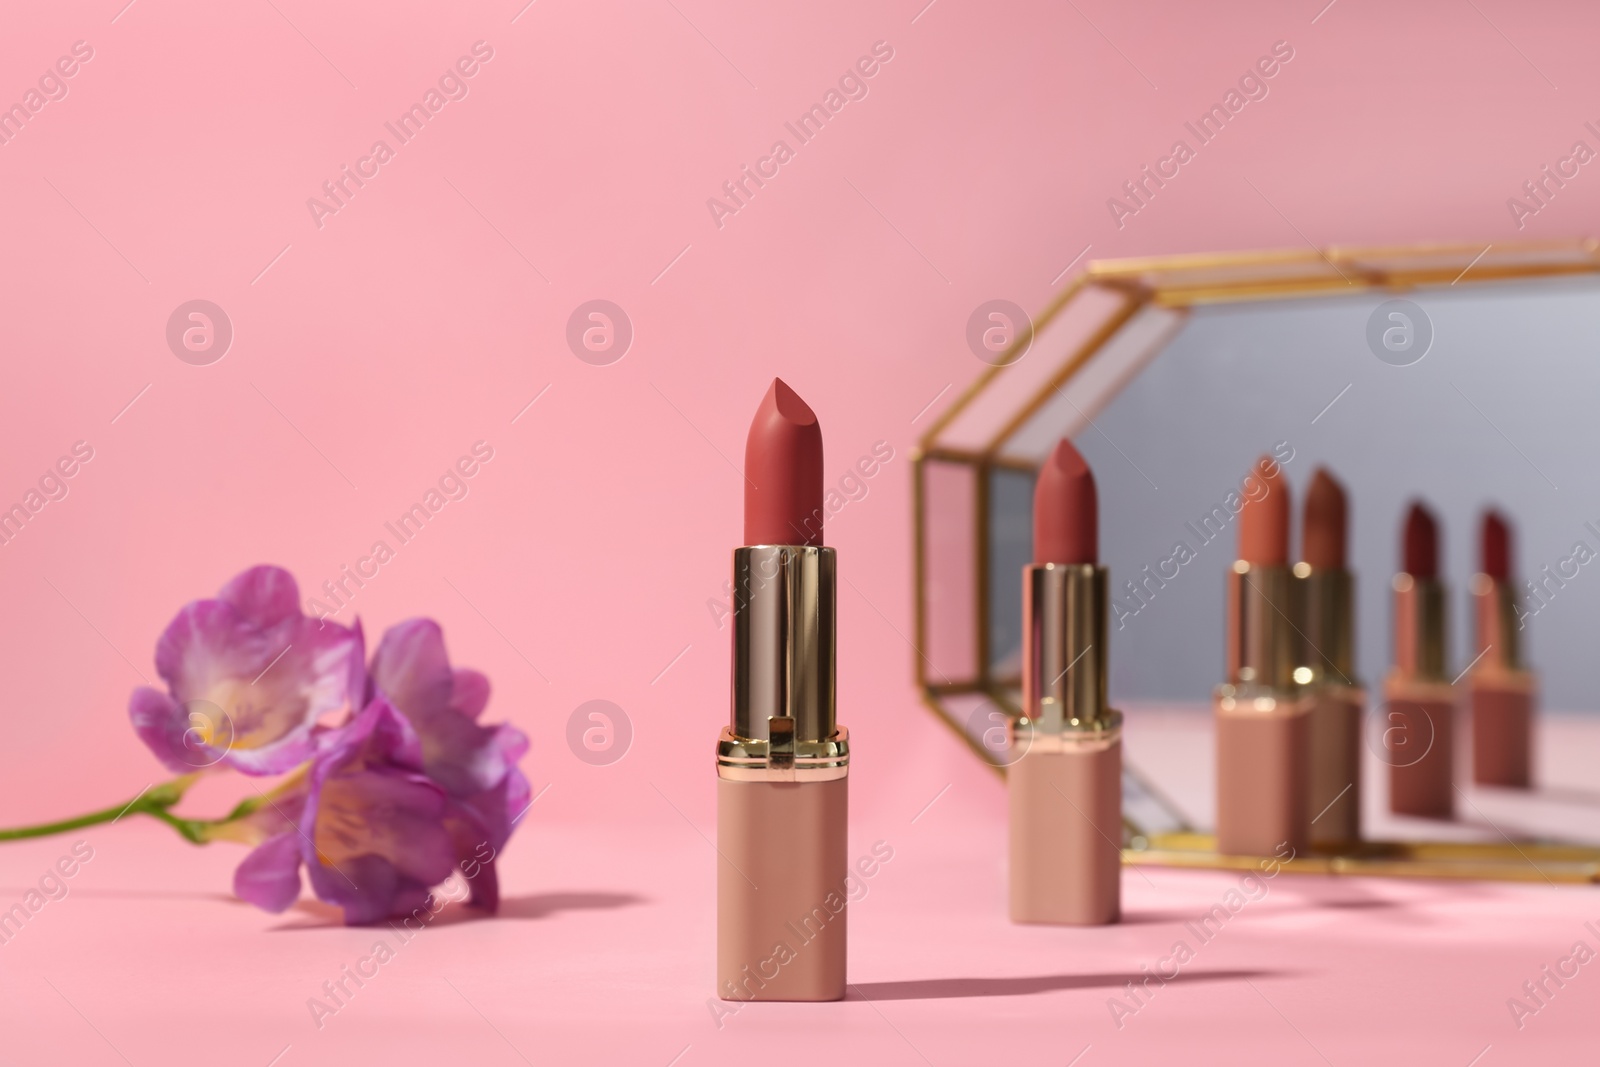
x: 1337, y: 701
x: 782, y: 760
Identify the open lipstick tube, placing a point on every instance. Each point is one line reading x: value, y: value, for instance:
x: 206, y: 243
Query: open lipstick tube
x: 1419, y: 701
x: 1336, y: 703
x: 1263, y: 724
x: 1065, y: 786
x: 1501, y: 693
x: 782, y: 760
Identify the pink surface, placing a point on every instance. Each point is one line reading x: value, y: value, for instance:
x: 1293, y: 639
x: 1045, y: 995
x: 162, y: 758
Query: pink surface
x: 587, y: 560
x: 604, y: 954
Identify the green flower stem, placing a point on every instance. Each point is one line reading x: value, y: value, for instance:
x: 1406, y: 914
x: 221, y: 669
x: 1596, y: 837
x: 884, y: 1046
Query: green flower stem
x: 153, y: 801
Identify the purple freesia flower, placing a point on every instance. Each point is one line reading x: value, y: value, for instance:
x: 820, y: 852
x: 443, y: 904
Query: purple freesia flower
x: 408, y: 791
x: 248, y: 676
x: 475, y: 764
x: 412, y: 670
x: 371, y: 832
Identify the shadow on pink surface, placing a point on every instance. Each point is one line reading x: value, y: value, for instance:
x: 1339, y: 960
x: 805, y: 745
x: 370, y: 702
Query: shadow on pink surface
x: 952, y: 988
x: 322, y: 916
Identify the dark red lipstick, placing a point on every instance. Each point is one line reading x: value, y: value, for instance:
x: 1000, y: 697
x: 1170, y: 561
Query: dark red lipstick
x: 1421, y: 699
x: 1495, y: 546
x: 1420, y: 551
x: 1502, y: 692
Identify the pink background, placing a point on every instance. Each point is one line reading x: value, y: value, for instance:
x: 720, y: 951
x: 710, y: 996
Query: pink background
x: 425, y: 315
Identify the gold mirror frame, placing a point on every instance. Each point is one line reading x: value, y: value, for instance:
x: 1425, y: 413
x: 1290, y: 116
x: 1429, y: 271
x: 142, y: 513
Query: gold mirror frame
x: 1095, y: 336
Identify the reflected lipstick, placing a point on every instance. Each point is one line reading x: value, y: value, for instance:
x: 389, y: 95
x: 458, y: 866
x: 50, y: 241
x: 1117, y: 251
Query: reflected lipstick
x: 1263, y: 735
x: 1065, y: 787
x: 1419, y: 711
x: 1336, y: 700
x: 1501, y: 692
x: 782, y: 761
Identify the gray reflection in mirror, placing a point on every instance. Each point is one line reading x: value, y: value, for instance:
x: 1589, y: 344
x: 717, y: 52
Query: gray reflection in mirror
x: 1010, y: 549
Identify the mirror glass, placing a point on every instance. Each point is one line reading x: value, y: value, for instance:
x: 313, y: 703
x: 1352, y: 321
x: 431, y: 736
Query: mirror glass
x: 1174, y: 376
x: 1498, y: 410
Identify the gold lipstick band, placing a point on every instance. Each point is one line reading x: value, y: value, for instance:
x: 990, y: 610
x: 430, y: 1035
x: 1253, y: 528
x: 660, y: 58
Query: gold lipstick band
x: 1327, y: 603
x: 783, y: 713
x: 1494, y: 605
x: 1419, y: 627
x: 1263, y: 646
x: 1064, y: 646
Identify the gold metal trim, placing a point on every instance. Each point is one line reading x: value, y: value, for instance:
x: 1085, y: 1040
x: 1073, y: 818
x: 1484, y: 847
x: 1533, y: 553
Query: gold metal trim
x: 1421, y: 626
x: 1064, y: 609
x: 750, y: 752
x: 1488, y: 861
x: 1497, y: 636
x: 784, y: 642
x: 1263, y: 646
x: 1327, y: 600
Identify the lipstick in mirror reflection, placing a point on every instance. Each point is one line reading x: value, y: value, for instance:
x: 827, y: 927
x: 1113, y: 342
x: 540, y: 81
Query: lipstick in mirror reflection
x: 1065, y: 782
x: 1336, y: 701
x: 1418, y: 723
x: 1262, y: 724
x: 1501, y: 692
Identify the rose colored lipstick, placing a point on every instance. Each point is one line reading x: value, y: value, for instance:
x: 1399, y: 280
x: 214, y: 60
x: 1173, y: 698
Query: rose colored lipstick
x: 783, y: 468
x: 1066, y: 510
x: 782, y: 761
x: 1336, y: 701
x: 1263, y: 735
x: 1419, y: 726
x: 1065, y: 782
x: 1501, y: 693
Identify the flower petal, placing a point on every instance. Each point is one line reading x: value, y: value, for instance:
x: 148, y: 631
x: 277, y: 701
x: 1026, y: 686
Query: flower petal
x: 467, y: 758
x: 207, y: 642
x: 269, y: 877
x: 264, y: 596
x: 475, y: 855
x: 470, y: 694
x: 377, y: 838
x: 254, y: 675
x: 411, y: 669
x: 365, y: 887
x: 162, y: 725
x: 383, y: 812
